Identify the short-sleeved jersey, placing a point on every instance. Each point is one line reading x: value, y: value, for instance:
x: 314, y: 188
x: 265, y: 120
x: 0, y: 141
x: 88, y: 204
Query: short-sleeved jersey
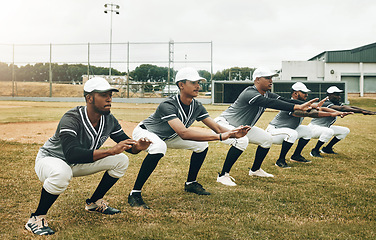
x: 325, y: 121
x: 285, y: 119
x: 169, y: 109
x: 76, y: 122
x: 251, y: 104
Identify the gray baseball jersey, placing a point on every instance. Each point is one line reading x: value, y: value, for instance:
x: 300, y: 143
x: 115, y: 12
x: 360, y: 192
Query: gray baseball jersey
x: 250, y: 105
x: 172, y: 108
x: 285, y: 119
x: 76, y: 123
x: 325, y: 121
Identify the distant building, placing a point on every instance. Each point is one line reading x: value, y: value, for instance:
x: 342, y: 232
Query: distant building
x: 356, y: 67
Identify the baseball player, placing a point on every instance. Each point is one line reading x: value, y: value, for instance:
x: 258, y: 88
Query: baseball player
x: 168, y: 127
x: 246, y: 110
x: 286, y: 127
x: 73, y: 151
x: 323, y: 129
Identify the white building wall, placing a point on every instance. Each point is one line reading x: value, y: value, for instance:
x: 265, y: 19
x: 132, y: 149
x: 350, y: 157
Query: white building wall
x: 312, y: 70
x: 322, y: 71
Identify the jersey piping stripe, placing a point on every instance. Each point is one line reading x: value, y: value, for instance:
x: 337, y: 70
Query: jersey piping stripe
x: 253, y: 99
x: 171, y: 115
x: 68, y: 130
x: 88, y: 121
x: 203, y: 115
x: 113, y: 133
x: 87, y: 128
x: 100, y: 131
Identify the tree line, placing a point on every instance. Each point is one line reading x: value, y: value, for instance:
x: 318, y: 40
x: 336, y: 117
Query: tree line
x: 72, y: 73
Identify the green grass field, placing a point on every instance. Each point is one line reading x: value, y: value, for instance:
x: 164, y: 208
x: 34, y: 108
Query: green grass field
x: 331, y: 198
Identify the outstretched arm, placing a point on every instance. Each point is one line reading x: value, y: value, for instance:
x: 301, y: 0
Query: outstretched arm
x: 319, y: 114
x: 195, y: 135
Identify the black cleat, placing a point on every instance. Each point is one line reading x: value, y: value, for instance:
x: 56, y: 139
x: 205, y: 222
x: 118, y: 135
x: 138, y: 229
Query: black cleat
x: 282, y: 164
x: 100, y: 206
x: 327, y: 150
x: 315, y: 153
x: 300, y: 159
x: 195, y: 187
x: 135, y: 200
x: 38, y: 225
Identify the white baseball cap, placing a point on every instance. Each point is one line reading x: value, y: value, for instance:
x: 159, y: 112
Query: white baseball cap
x: 189, y: 74
x: 98, y: 84
x: 333, y: 89
x: 263, y: 72
x: 299, y: 86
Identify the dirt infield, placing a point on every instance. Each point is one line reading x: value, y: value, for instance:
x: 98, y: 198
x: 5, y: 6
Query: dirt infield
x: 39, y: 132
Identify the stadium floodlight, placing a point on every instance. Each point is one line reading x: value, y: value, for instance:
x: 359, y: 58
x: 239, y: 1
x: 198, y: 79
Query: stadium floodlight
x: 110, y: 9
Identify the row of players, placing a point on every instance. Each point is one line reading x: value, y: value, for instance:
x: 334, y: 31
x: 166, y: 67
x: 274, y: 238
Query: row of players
x: 74, y: 150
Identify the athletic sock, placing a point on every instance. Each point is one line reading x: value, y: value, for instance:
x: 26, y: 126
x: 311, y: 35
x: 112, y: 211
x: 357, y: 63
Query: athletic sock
x: 105, y: 184
x: 318, y: 145
x: 232, y: 156
x: 148, y: 165
x: 332, y: 142
x: 284, y: 150
x: 45, y: 202
x: 197, y: 160
x: 301, y: 144
x: 259, y: 158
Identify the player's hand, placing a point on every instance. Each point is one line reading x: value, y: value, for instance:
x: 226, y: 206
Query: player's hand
x: 122, y: 146
x: 142, y: 144
x: 305, y: 106
x: 319, y: 104
x: 240, y: 131
x: 340, y: 114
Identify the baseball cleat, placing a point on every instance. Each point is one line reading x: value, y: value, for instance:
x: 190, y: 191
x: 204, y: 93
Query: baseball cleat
x: 327, y: 150
x: 135, y: 200
x: 100, y: 206
x: 195, y: 187
x: 300, y: 159
x: 226, y: 180
x: 38, y: 225
x: 260, y: 173
x: 315, y: 153
x: 282, y: 164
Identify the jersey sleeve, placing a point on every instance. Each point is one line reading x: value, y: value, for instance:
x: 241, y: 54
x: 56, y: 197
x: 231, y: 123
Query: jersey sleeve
x: 74, y: 154
x: 69, y: 124
x: 167, y: 111
x: 203, y: 113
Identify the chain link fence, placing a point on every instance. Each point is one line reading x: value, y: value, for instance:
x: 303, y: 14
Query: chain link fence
x: 59, y: 70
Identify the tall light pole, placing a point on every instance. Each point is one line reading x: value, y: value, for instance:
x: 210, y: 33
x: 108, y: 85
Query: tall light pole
x: 111, y: 8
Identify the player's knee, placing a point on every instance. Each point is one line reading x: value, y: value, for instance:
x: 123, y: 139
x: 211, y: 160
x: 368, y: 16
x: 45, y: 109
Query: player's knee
x: 200, y: 147
x: 121, y: 165
x: 157, y: 147
x: 291, y: 136
x: 58, y: 181
x: 241, y: 143
x: 267, y: 141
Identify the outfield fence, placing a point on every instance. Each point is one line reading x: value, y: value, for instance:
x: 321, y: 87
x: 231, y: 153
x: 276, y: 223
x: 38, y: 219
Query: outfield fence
x: 17, y: 61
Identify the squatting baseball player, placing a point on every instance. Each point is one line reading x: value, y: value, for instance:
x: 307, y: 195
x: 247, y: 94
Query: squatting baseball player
x: 323, y: 129
x: 286, y: 127
x: 168, y: 127
x: 246, y: 110
x: 73, y: 151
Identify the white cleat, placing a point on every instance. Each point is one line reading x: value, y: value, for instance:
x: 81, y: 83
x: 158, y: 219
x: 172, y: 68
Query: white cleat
x: 260, y: 173
x: 226, y: 180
